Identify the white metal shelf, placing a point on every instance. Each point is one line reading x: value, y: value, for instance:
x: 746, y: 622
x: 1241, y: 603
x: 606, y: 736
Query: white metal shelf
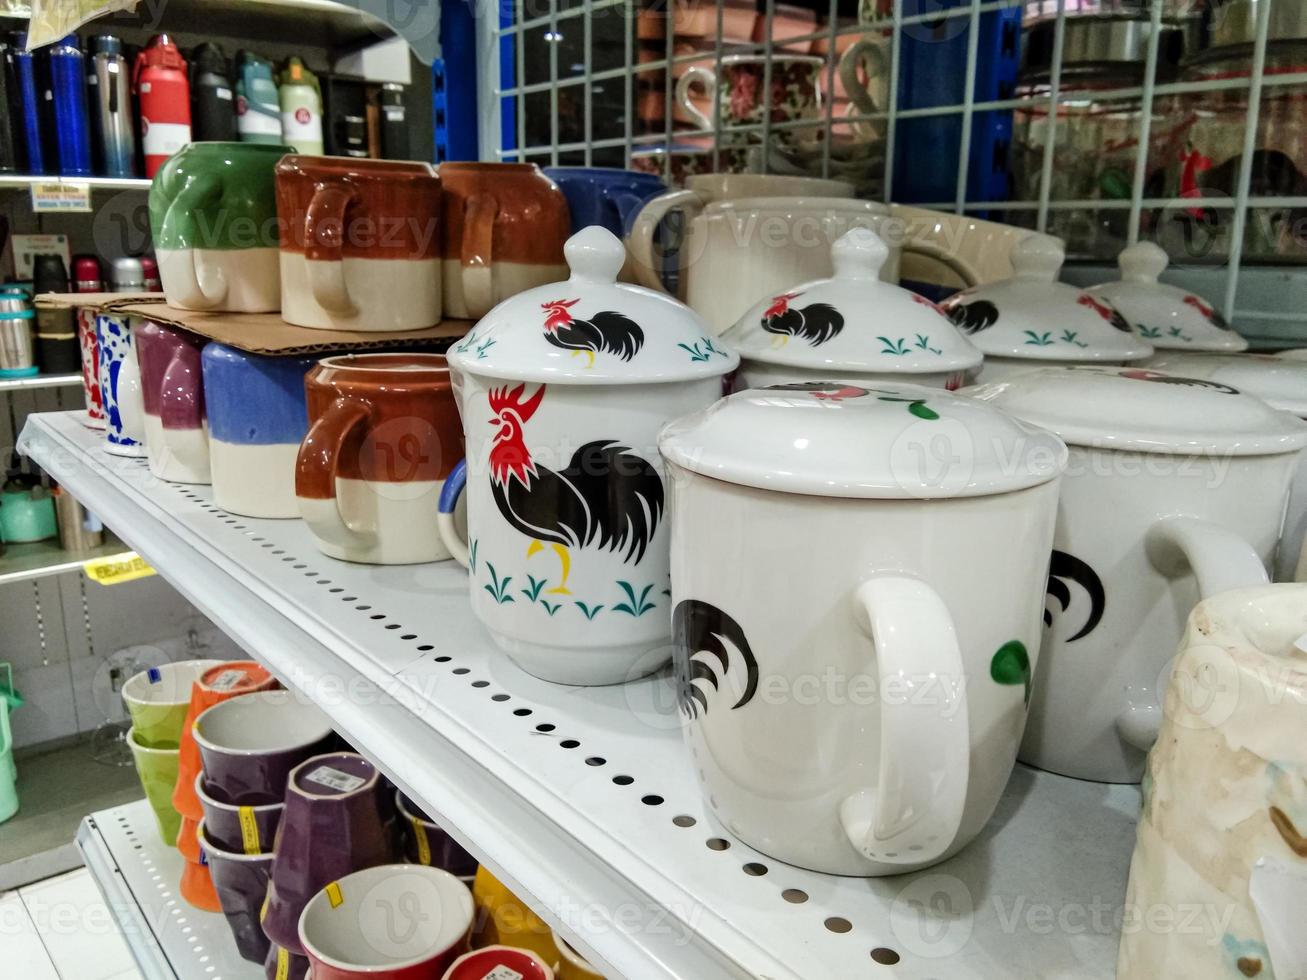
x: 584, y: 799
x: 40, y: 381
x: 138, y: 874
x: 42, y: 559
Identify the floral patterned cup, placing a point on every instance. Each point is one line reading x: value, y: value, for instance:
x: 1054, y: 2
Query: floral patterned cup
x: 739, y: 89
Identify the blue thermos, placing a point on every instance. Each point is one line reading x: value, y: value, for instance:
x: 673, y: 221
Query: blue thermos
x: 29, y: 96
x: 68, y: 97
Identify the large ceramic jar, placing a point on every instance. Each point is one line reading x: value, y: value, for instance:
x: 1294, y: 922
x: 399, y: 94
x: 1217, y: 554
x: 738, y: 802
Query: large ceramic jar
x: 857, y: 576
x: 1032, y: 320
x: 562, y: 391
x: 1175, y: 491
x: 1167, y: 317
x: 852, y: 326
x: 1281, y: 383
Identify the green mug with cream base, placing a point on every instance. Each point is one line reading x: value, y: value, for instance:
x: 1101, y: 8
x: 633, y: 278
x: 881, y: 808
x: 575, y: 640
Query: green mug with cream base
x: 213, y: 215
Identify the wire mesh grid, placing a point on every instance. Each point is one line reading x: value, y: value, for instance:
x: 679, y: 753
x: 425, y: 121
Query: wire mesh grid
x: 1099, y: 151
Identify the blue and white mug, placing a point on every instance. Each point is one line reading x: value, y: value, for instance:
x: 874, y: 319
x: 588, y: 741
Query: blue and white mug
x: 257, y: 419
x: 120, y: 386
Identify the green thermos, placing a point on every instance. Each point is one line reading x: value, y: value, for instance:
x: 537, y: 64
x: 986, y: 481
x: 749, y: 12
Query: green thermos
x: 301, y: 108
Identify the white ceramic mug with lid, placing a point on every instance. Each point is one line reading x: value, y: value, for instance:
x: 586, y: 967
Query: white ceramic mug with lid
x: 1175, y: 491
x: 852, y: 687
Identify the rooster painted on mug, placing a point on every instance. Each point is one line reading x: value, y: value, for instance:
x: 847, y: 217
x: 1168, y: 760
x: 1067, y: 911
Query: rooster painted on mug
x: 816, y: 323
x: 604, y: 333
x: 607, y: 497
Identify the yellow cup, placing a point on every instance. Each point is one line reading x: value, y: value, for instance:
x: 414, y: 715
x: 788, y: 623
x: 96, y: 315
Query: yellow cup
x: 157, y: 769
x: 503, y: 919
x: 571, y: 965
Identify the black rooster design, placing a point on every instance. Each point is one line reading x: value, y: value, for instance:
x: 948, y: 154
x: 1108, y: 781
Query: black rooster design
x: 816, y: 323
x: 710, y: 647
x: 1208, y: 312
x: 972, y: 317
x: 1068, y: 568
x: 607, y: 497
x: 1157, y: 377
x: 604, y: 333
x: 1106, y: 310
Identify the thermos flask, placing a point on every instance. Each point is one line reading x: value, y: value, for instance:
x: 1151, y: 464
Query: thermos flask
x: 86, y: 274
x: 165, y: 95
x: 16, y: 315
x: 258, y: 112
x: 67, y: 97
x: 213, y: 105
x: 301, y: 108
x: 79, y: 530
x: 127, y: 275
x: 394, y: 134
x: 57, y: 349
x: 29, y: 97
x: 11, y: 105
x: 111, y: 101
x: 150, y: 274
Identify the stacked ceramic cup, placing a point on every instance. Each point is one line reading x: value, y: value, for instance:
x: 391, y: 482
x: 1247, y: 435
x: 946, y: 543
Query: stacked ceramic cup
x: 157, y: 700
x: 217, y: 684
x: 248, y: 746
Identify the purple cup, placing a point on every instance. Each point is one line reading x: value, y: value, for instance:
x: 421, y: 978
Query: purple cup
x: 240, y: 829
x: 249, y: 745
x: 297, y: 967
x: 334, y: 824
x: 425, y: 843
x: 241, y: 881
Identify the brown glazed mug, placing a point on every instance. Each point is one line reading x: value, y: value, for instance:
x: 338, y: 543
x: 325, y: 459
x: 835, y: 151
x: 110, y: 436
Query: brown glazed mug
x: 384, y: 433
x: 360, y: 243
x: 504, y: 229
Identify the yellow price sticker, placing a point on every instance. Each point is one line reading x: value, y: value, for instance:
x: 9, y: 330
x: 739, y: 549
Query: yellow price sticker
x: 125, y: 567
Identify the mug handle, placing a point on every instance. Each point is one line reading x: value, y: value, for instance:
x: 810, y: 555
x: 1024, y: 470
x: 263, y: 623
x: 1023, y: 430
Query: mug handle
x: 200, y: 289
x: 640, y: 239
x: 173, y: 385
x: 871, y: 56
x: 477, y: 258
x: 696, y: 74
x: 625, y: 205
x: 453, y: 488
x: 1221, y: 560
x: 324, y: 240
x: 316, y: 468
x: 914, y: 813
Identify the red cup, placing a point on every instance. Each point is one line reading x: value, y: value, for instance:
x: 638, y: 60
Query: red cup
x: 390, y: 922
x: 481, y: 963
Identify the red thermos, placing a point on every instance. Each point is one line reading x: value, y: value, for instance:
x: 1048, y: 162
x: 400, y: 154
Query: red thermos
x: 151, y: 270
x: 165, y: 96
x: 86, y: 274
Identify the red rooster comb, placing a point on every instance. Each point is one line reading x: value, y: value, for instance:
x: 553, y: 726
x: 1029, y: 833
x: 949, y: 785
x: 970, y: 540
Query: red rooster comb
x: 503, y: 399
x: 559, y: 304
x: 1199, y: 305
x: 780, y: 304
x: 1102, y: 309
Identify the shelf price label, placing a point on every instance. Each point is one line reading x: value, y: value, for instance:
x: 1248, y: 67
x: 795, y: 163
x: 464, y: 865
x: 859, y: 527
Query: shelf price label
x: 115, y: 569
x: 57, y: 195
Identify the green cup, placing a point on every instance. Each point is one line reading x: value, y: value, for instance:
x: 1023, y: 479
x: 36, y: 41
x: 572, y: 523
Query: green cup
x: 213, y: 216
x: 157, y: 700
x: 157, y: 770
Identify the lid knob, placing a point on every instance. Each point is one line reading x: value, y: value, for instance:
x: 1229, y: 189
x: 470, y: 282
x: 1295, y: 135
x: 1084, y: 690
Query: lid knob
x: 595, y: 254
x: 1038, y: 257
x: 859, y: 254
x: 1142, y: 262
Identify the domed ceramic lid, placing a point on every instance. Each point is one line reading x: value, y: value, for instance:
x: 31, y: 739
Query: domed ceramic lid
x: 1279, y: 381
x: 1034, y: 317
x: 1295, y: 354
x: 853, y: 321
x: 1167, y: 317
x: 842, y: 439
x: 1146, y: 410
x: 592, y: 329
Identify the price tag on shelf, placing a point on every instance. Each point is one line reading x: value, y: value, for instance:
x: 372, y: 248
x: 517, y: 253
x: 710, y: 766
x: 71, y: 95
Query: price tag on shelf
x: 57, y: 195
x: 125, y: 567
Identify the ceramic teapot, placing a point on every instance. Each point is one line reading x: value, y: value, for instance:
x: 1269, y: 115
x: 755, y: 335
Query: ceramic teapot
x: 805, y: 744
x: 1175, y: 491
x: 852, y: 326
x: 1167, y: 317
x: 562, y: 390
x: 1281, y: 383
x: 1032, y: 320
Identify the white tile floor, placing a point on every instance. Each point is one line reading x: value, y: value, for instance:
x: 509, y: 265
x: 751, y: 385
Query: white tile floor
x: 60, y: 929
